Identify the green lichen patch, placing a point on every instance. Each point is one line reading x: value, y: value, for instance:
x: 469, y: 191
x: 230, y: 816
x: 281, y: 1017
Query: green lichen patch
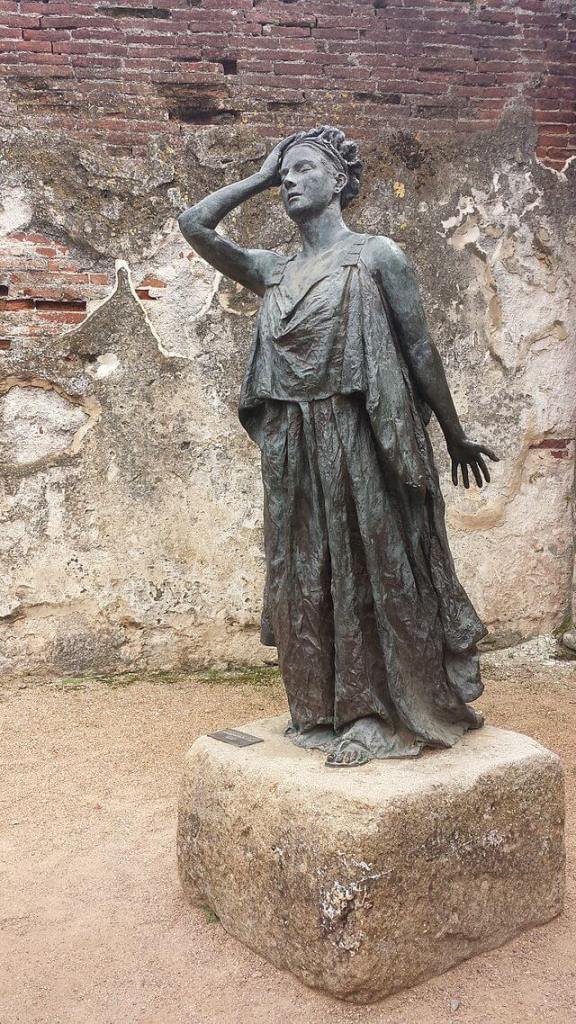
x: 211, y: 917
x: 260, y: 676
x: 113, y: 680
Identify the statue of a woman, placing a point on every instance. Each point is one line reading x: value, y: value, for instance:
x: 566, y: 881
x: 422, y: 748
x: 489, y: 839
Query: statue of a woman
x: 375, y: 635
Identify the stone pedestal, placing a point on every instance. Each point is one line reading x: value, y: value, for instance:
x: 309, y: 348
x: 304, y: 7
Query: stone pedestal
x: 363, y: 881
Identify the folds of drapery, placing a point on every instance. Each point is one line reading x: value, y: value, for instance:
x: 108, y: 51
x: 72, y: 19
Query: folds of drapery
x: 362, y: 598
x: 363, y: 624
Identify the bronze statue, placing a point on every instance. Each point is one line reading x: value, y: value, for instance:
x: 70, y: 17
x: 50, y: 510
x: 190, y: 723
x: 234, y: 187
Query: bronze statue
x: 375, y: 635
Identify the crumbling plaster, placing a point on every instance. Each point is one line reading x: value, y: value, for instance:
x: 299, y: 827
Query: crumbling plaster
x: 131, y: 500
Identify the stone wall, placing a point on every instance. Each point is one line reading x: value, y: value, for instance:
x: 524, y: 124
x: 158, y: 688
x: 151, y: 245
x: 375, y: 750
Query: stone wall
x: 130, y: 496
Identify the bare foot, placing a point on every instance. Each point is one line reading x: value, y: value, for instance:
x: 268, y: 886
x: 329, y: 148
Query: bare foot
x: 348, y: 754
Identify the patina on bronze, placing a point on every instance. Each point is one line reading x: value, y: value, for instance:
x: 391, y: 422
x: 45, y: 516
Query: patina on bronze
x: 375, y: 635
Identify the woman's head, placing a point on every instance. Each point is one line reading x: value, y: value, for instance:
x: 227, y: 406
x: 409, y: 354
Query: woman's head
x: 318, y: 168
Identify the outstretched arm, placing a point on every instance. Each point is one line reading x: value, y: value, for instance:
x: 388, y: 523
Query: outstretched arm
x: 398, y: 281
x: 247, y: 266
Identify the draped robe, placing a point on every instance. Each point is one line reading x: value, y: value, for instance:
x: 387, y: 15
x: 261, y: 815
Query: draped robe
x: 361, y: 597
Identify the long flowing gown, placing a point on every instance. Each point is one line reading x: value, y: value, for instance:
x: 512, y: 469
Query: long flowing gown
x: 361, y: 596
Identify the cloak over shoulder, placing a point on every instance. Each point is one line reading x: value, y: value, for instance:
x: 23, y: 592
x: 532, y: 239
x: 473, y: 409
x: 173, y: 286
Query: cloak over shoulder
x: 331, y: 333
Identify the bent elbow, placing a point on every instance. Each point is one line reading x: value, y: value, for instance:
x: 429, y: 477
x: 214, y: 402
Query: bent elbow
x: 189, y: 223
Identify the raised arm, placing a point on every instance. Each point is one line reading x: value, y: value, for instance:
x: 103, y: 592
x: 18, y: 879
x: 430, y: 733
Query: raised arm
x: 247, y: 266
x: 398, y: 281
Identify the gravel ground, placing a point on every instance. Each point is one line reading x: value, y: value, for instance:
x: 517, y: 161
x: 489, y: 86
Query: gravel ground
x: 93, y: 925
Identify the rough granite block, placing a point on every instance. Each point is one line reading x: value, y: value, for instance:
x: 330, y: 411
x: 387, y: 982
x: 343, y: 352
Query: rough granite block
x: 363, y: 881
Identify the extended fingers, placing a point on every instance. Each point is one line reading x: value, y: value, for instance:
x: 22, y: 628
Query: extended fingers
x: 483, y: 467
x: 474, y: 464
x: 476, y: 471
x: 488, y: 451
x: 463, y: 469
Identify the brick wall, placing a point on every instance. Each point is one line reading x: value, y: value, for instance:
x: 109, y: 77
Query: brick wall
x: 118, y: 70
x: 45, y: 288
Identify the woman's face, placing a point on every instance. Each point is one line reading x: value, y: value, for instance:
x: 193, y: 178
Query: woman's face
x: 308, y: 182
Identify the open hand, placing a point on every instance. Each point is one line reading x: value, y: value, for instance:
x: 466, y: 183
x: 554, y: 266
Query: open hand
x: 467, y: 455
x: 270, y: 169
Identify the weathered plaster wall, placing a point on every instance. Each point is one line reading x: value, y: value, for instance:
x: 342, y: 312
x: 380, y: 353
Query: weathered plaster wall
x: 130, y: 496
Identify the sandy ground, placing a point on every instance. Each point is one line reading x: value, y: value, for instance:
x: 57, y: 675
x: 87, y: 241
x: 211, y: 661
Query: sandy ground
x: 93, y: 927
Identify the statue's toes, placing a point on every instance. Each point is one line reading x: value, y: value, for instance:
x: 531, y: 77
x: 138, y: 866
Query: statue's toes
x: 349, y: 757
x: 337, y: 759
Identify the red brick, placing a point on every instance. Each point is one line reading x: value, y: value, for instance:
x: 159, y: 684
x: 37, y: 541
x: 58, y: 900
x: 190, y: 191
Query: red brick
x: 98, y: 49
x: 48, y: 21
x: 61, y: 317
x: 499, y: 16
x: 358, y: 21
x: 550, y: 118
x: 288, y: 67
x: 493, y: 92
x: 25, y: 46
x: 15, y: 305
x: 548, y: 139
x: 287, y: 31
x: 564, y: 54
x: 103, y: 33
x: 19, y: 21
x: 152, y: 282
x: 41, y: 59
x: 548, y: 103
x: 67, y: 7
x: 277, y: 13
x: 381, y: 41
x: 206, y: 74
x: 264, y: 42
x: 34, y: 238
x: 50, y: 35
x: 556, y: 153
x: 255, y: 66
x: 414, y: 86
x: 557, y: 165
x: 237, y: 5
x: 538, y: 19
x: 56, y: 305
x: 497, y: 67
x: 336, y: 33
x: 100, y: 64
x: 59, y: 265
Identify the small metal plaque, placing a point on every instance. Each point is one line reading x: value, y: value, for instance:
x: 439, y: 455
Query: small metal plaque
x: 234, y: 736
